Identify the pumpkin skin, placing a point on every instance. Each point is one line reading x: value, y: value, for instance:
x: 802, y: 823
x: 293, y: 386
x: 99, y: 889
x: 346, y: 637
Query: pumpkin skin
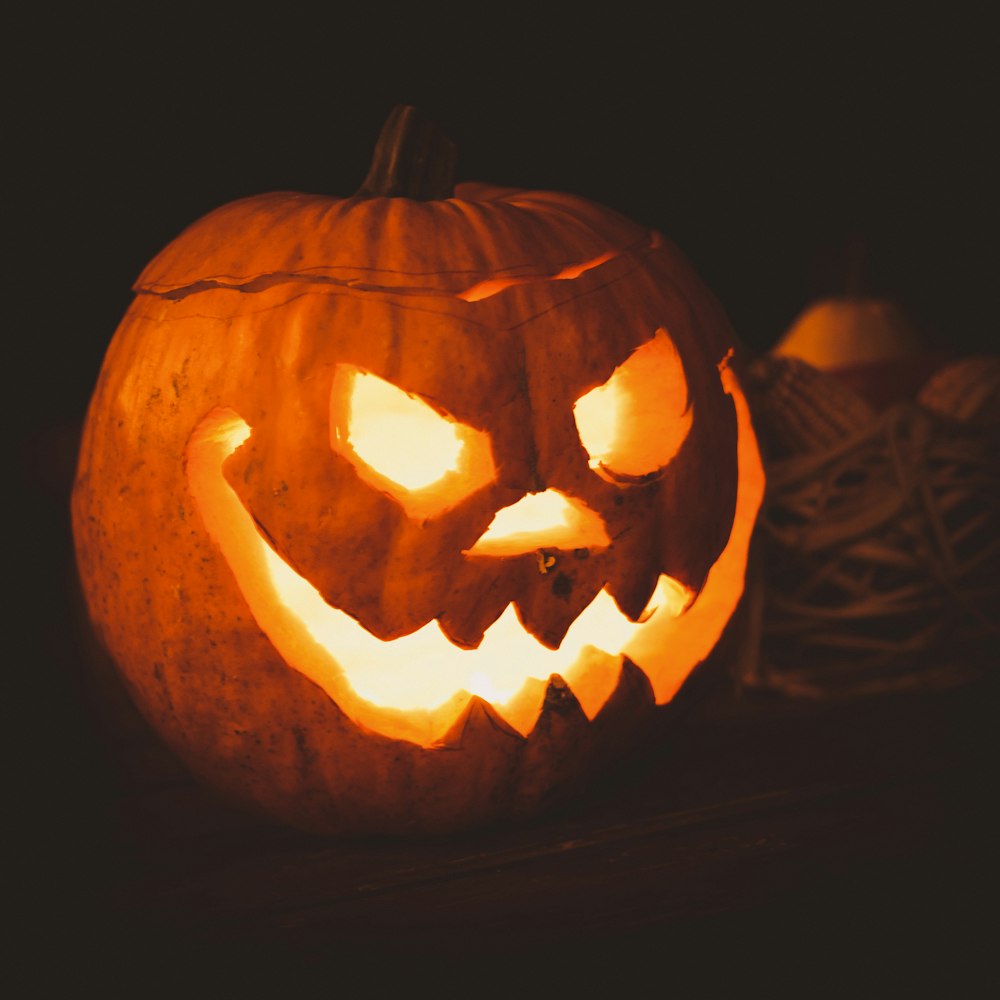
x: 500, y: 310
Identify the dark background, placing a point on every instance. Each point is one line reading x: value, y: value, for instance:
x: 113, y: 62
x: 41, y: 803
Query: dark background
x: 763, y: 149
x: 768, y: 149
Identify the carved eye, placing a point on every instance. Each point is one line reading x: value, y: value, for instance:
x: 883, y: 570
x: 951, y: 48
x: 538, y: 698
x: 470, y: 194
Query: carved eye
x: 634, y: 424
x: 421, y: 457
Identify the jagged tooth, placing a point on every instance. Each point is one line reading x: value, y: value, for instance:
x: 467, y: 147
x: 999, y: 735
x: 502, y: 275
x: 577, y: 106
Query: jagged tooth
x: 548, y: 609
x: 562, y: 723
x: 595, y: 677
x: 472, y: 771
x: 539, y: 626
x: 560, y: 703
x: 480, y: 729
x: 557, y: 753
x: 632, y: 590
x: 475, y: 603
x: 463, y: 638
x: 628, y: 718
x: 632, y: 697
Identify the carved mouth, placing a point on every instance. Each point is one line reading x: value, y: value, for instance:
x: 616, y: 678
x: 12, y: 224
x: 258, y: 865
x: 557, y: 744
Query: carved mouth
x: 414, y: 687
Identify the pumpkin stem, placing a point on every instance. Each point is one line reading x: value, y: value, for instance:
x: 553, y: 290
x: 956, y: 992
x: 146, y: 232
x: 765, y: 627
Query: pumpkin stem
x: 857, y: 255
x: 413, y: 158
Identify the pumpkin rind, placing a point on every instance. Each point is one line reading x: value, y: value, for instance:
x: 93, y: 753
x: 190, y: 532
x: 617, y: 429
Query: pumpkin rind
x: 251, y: 309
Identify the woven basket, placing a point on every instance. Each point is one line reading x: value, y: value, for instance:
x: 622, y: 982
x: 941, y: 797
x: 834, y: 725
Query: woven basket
x: 877, y: 550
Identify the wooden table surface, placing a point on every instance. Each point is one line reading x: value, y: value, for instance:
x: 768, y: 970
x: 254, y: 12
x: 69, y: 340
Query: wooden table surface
x: 849, y: 842
x: 857, y: 834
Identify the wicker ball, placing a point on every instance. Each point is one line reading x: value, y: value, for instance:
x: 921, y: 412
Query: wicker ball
x: 879, y: 554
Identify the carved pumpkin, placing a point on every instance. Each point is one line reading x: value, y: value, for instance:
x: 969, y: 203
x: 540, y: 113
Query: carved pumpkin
x: 399, y: 514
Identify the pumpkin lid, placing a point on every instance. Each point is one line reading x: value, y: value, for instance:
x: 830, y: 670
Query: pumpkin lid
x: 392, y: 244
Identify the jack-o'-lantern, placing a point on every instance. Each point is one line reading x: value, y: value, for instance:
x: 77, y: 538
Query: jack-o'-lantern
x: 399, y: 513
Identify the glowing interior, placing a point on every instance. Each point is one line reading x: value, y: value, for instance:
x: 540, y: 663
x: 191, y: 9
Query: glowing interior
x: 549, y: 520
x: 415, y: 687
x: 636, y: 422
x: 399, y: 435
x: 411, y: 687
x: 425, y: 460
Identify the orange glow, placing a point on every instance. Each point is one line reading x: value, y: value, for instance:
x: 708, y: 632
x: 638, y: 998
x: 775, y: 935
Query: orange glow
x: 636, y: 422
x: 491, y: 286
x: 415, y: 687
x: 542, y: 520
x: 399, y: 436
x: 668, y: 650
x: 425, y: 460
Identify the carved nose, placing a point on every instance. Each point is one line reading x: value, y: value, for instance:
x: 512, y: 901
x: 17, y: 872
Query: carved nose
x: 549, y: 520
